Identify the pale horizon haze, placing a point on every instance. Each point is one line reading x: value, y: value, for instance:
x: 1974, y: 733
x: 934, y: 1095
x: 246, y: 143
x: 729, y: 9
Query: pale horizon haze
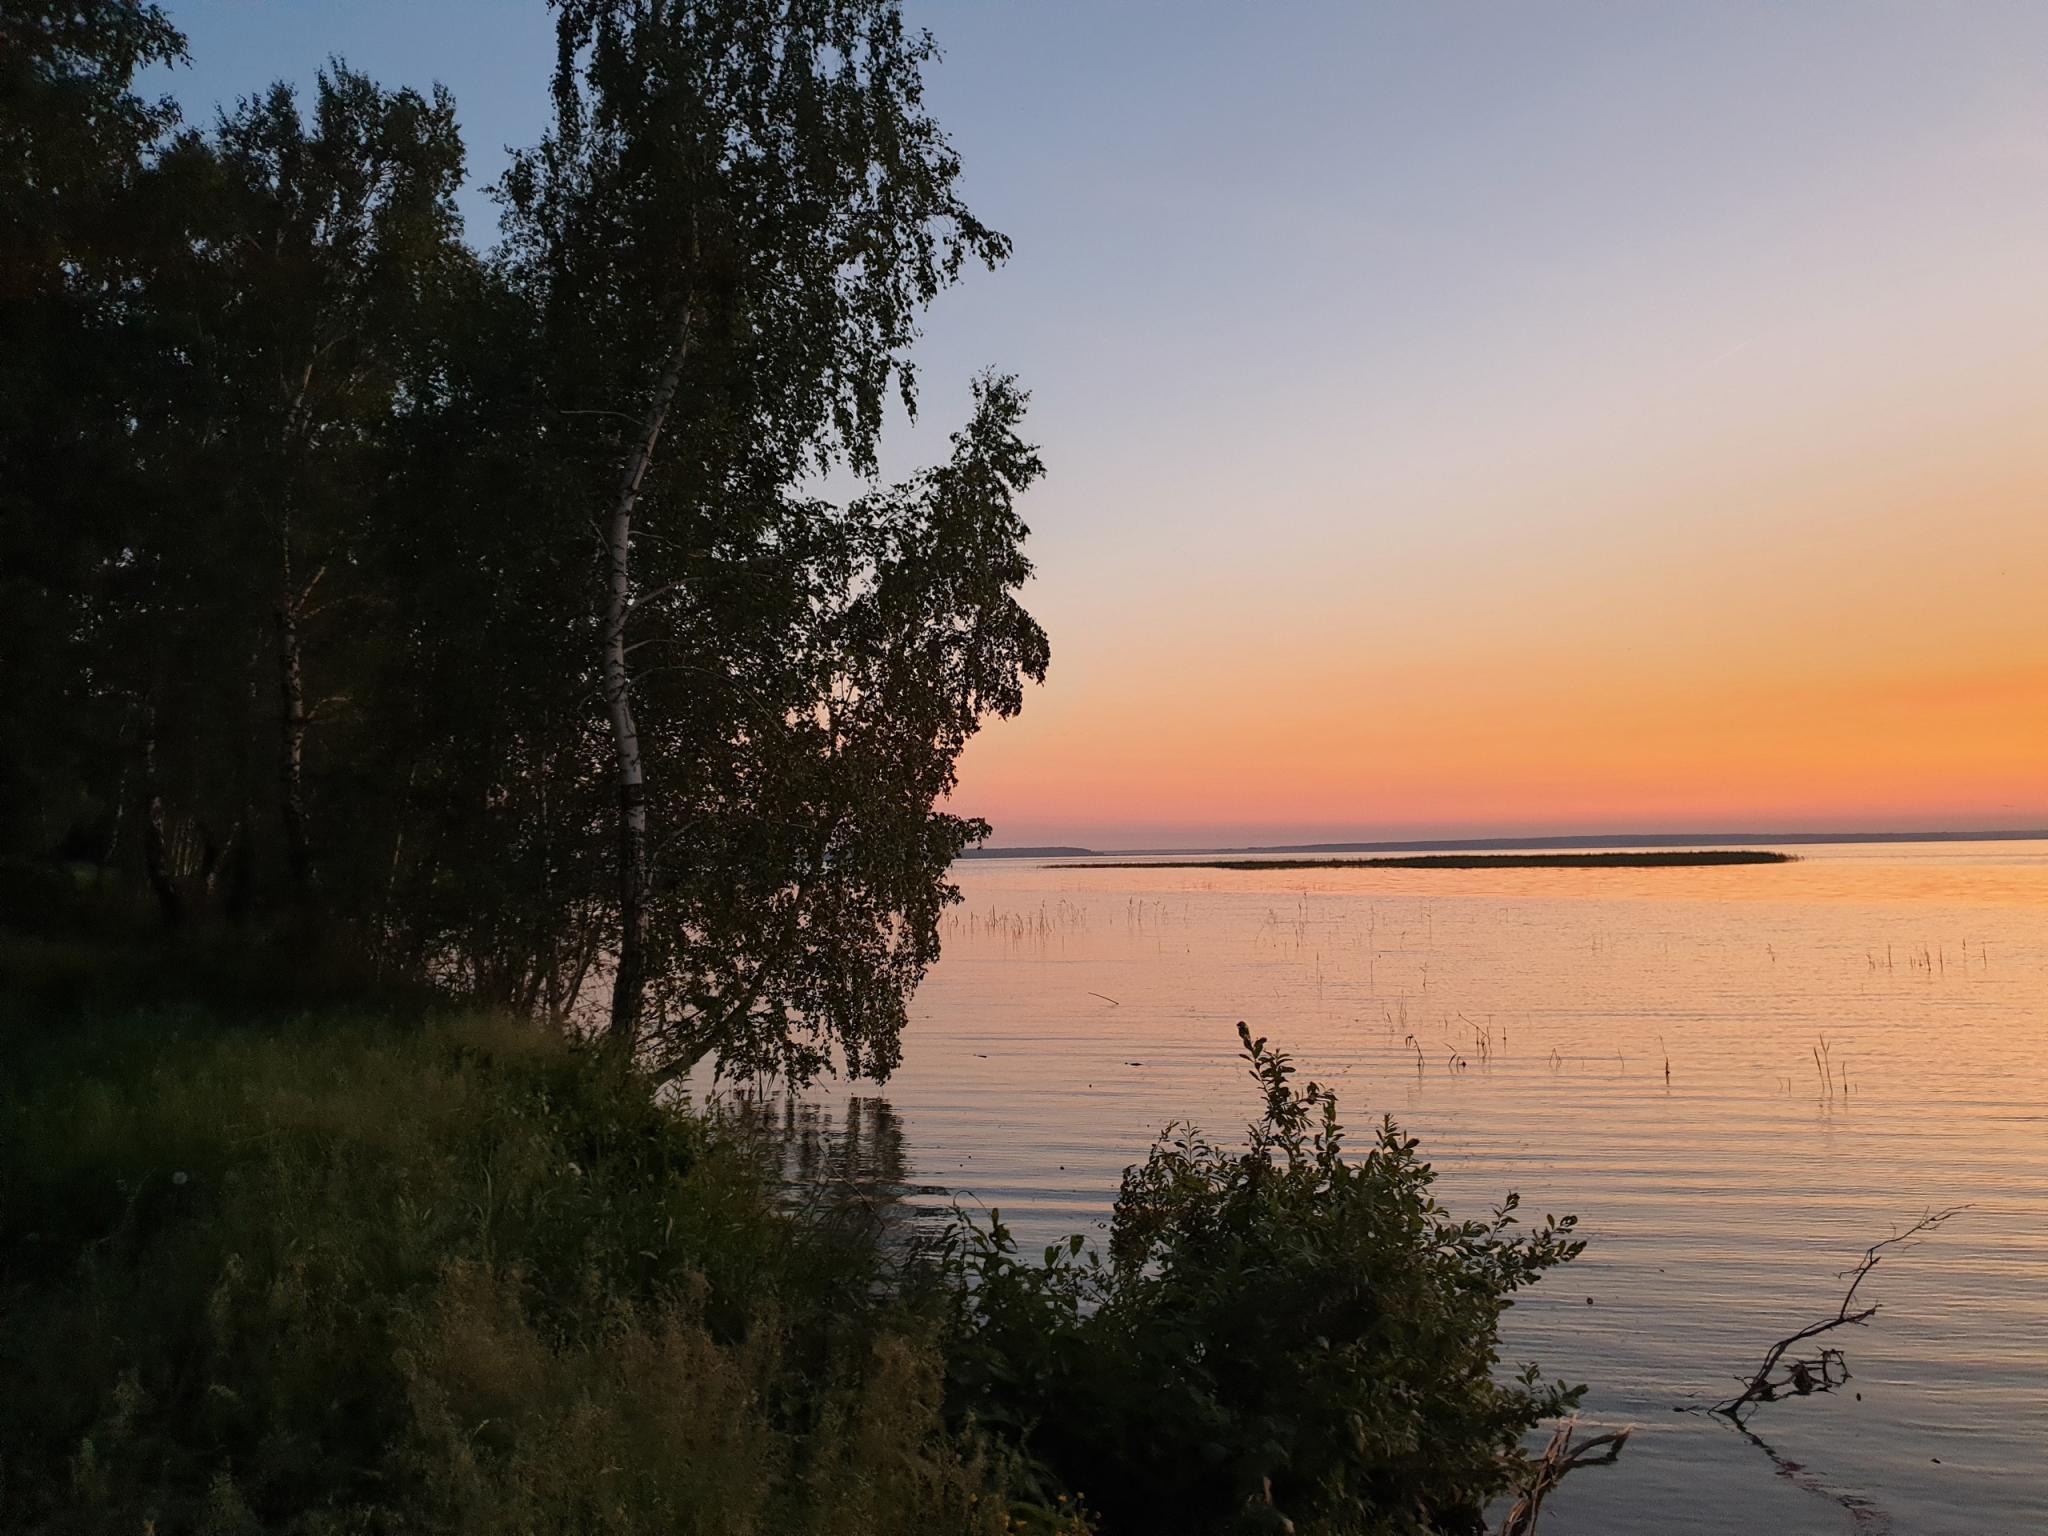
x: 1466, y: 420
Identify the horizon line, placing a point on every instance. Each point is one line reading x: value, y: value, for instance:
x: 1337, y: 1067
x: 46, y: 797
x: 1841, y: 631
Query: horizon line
x: 1554, y: 840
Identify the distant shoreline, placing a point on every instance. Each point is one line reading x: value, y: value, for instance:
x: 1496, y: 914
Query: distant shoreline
x: 1661, y: 859
x: 1479, y: 844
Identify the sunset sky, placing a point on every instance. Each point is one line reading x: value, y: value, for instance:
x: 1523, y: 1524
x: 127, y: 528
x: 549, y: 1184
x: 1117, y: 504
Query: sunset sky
x: 1469, y: 419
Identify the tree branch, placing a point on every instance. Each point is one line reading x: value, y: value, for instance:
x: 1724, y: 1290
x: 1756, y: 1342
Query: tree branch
x: 1560, y: 1458
x: 1826, y: 1370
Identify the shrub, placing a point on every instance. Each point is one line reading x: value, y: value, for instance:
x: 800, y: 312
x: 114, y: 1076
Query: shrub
x: 1283, y: 1338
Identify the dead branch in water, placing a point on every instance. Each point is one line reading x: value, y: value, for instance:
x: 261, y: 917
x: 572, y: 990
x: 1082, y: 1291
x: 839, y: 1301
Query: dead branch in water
x: 1804, y: 1375
x: 1561, y: 1457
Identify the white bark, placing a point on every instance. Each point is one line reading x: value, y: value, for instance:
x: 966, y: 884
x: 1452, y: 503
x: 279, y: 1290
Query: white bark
x: 291, y: 756
x: 291, y: 759
x: 629, y: 983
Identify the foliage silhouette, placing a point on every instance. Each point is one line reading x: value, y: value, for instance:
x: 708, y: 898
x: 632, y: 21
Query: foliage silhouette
x: 1283, y: 1336
x: 475, y: 613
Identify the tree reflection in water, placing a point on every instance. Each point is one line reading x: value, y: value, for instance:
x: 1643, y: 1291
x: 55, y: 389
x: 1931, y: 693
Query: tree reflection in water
x: 851, y: 1162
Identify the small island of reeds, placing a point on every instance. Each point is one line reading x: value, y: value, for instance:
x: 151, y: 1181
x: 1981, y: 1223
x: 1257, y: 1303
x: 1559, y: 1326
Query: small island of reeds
x: 1662, y: 858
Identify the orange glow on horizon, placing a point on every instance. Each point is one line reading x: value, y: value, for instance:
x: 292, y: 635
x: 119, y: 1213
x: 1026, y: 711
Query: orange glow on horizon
x: 1857, y: 643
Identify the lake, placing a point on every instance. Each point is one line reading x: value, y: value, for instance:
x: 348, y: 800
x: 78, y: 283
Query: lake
x: 1738, y: 1077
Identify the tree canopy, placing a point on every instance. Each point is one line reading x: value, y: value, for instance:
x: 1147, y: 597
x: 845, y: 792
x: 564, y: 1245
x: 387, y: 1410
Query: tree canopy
x: 476, y: 609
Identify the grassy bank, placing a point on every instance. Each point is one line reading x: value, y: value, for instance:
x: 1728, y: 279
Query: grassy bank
x: 268, y: 1266
x: 344, y: 1274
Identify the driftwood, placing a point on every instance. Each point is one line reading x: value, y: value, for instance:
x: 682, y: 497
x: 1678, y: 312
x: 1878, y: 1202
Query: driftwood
x: 1802, y: 1375
x: 1566, y: 1453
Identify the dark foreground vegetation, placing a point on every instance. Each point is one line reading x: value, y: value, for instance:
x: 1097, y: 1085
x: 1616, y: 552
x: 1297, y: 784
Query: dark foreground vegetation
x: 363, y: 1268
x: 1674, y: 859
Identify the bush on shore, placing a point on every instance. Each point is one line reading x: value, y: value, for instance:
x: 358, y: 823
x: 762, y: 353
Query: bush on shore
x: 1284, y: 1338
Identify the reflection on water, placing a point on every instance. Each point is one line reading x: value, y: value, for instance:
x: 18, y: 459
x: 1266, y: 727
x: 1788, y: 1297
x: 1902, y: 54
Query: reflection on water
x: 858, y: 1147
x: 1739, y: 1077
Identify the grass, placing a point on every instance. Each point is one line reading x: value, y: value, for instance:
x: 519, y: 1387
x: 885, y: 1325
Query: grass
x: 1660, y: 859
x: 356, y: 1271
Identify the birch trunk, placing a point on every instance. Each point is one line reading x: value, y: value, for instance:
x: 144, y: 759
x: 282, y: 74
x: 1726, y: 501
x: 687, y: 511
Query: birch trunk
x: 156, y: 857
x: 291, y: 756
x: 291, y: 761
x: 629, y: 983
x: 218, y: 859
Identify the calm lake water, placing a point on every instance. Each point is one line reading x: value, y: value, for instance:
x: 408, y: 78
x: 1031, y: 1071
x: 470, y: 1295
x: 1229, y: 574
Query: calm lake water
x: 1520, y: 1022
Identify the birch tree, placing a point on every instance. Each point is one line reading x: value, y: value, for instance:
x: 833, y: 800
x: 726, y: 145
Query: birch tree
x: 732, y: 227
x: 276, y: 268
x: 331, y: 223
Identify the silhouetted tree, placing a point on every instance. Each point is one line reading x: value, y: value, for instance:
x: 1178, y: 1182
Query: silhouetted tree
x: 75, y: 144
x: 483, y: 607
x: 728, y: 236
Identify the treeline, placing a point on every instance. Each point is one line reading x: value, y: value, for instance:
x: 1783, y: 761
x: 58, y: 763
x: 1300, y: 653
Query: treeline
x: 474, y: 609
